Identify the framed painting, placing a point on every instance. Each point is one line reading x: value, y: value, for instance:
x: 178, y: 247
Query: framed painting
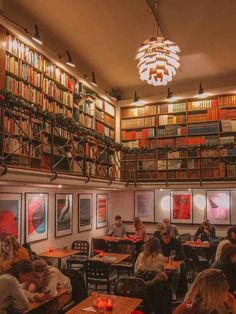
x: 63, y: 214
x: 218, y: 207
x: 181, y: 207
x: 36, y: 216
x: 10, y: 214
x: 101, y: 211
x: 85, y: 209
x: 144, y: 205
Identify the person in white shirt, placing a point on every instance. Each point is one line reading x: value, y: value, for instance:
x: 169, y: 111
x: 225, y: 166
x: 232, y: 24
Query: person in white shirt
x: 117, y: 229
x: 230, y: 238
x: 174, y: 232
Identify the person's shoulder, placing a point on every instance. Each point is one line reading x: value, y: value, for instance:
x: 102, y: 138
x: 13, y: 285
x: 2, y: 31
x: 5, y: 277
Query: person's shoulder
x: 8, y: 280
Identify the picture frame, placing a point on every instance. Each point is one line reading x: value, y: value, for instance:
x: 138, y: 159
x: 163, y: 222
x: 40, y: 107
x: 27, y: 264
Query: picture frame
x: 144, y: 205
x: 85, y: 210
x: 10, y: 213
x: 101, y: 211
x: 63, y: 214
x: 218, y: 207
x: 36, y: 217
x: 181, y: 208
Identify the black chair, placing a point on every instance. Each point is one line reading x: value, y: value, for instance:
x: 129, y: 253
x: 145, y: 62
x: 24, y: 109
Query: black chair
x: 194, y: 262
x: 99, y: 244
x: 80, y: 258
x: 131, y: 287
x: 99, y: 273
x: 79, y: 291
x: 184, y: 237
x: 127, y: 264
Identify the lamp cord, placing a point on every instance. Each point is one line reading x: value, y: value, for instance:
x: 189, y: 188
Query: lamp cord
x: 151, y: 4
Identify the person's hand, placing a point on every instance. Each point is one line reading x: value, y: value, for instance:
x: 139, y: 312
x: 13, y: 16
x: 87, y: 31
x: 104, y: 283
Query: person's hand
x: 40, y: 297
x: 32, y: 287
x: 231, y: 303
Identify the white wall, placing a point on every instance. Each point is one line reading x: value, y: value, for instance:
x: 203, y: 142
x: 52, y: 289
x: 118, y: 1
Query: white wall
x: 123, y: 204
x: 65, y: 240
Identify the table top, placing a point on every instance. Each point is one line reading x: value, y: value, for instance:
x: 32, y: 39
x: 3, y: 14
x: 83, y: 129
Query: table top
x: 117, y: 239
x: 197, y: 245
x: 110, y: 258
x: 36, y: 305
x: 59, y: 253
x: 121, y: 305
x: 170, y: 266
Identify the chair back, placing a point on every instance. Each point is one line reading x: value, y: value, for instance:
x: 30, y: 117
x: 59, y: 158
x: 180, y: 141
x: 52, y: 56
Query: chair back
x: 191, y: 257
x: 100, y: 244
x: 184, y: 237
x: 131, y: 287
x: 82, y: 246
x: 124, y: 248
x: 97, y: 269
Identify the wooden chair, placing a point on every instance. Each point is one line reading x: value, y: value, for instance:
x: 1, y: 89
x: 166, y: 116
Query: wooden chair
x: 80, y: 258
x: 99, y: 273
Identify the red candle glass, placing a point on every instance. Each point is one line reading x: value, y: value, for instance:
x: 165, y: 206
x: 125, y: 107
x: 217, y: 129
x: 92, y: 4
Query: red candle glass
x: 109, y: 306
x: 101, y: 254
x: 101, y: 305
x: 51, y: 249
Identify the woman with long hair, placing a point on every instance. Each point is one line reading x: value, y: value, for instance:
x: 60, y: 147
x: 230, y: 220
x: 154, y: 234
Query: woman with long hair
x: 150, y: 261
x: 139, y: 230
x: 208, y: 295
x: 10, y: 251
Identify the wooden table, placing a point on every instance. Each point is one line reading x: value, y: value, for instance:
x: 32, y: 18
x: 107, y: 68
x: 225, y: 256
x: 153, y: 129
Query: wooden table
x: 110, y: 258
x: 59, y: 254
x: 171, y: 266
x: 121, y: 305
x: 194, y: 244
x: 35, y: 306
x: 117, y: 239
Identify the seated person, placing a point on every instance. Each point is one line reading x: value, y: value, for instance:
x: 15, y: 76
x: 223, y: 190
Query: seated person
x: 139, y: 230
x: 12, y: 296
x: 174, y: 232
x: 150, y: 261
x: 206, y: 232
x: 208, y: 295
x: 117, y: 229
x: 230, y: 238
x: 227, y: 263
x: 172, y: 247
x: 48, y: 278
x: 10, y: 251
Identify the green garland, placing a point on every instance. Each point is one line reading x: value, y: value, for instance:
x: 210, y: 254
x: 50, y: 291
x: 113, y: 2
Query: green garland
x: 16, y: 103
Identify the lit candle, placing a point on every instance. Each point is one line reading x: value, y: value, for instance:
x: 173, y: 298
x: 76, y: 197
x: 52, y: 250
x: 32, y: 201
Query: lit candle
x: 109, y: 306
x: 50, y: 249
x: 101, y: 254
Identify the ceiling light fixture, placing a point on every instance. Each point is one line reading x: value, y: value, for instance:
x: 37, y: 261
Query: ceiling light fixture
x: 69, y: 59
x: 137, y: 100
x: 93, y: 81
x: 36, y: 36
x: 170, y: 97
x: 157, y: 57
x: 201, y: 93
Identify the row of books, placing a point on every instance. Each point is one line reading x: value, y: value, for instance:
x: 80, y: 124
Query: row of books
x: 24, y: 90
x: 103, y: 117
x: 228, y: 125
x: 227, y: 114
x: 102, y: 129
x: 212, y: 114
x: 227, y: 140
x: 84, y: 119
x: 57, y: 74
x: 14, y: 145
x: 138, y: 111
x: 171, y: 119
x: 24, y: 52
x: 55, y: 107
x: 171, y: 130
x: 133, y: 135
x: 171, y: 108
x: 203, y: 104
x: 51, y: 89
x: 105, y: 106
x: 138, y: 123
x: 23, y: 71
x: 227, y: 101
x: 210, y: 127
x: 85, y: 106
x: 230, y: 170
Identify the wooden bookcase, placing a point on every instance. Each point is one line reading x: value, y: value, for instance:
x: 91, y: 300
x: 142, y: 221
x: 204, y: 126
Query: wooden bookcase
x: 28, y: 141
x: 191, y: 140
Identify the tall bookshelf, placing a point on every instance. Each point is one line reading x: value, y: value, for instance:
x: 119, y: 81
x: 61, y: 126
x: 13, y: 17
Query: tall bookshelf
x: 26, y: 140
x: 193, y: 140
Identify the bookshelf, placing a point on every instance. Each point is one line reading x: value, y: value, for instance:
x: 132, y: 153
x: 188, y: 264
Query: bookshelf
x: 33, y: 142
x: 191, y: 140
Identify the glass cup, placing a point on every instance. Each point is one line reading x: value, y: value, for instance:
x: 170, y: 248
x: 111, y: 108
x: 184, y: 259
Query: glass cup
x: 101, y: 305
x: 95, y: 297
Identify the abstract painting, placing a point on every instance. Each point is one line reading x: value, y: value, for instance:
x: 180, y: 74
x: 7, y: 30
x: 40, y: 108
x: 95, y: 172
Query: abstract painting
x: 36, y: 215
x: 63, y: 214
x: 85, y: 212
x: 218, y: 207
x: 102, y: 211
x: 181, y: 207
x: 144, y: 205
x: 10, y: 213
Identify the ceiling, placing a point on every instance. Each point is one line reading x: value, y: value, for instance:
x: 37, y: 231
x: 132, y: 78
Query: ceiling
x: 103, y: 36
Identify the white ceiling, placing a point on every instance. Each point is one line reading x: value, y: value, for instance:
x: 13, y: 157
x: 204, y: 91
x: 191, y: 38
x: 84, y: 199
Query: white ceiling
x: 103, y: 35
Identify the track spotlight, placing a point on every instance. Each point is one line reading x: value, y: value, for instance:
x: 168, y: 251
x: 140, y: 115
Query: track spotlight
x: 36, y: 36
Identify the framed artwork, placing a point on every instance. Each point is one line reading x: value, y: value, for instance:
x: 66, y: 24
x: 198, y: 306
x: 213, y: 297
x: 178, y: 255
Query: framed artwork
x: 218, y: 207
x: 85, y: 209
x: 101, y: 211
x: 144, y: 205
x: 10, y: 213
x: 63, y: 214
x: 36, y: 216
x: 181, y: 207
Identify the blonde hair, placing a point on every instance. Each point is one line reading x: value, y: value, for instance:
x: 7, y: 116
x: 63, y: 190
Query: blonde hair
x: 13, y: 244
x: 137, y: 223
x: 40, y: 265
x: 207, y: 291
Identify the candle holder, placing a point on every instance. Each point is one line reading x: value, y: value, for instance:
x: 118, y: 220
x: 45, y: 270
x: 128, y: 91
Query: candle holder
x: 109, y: 306
x: 101, y: 305
x: 101, y: 254
x: 50, y: 249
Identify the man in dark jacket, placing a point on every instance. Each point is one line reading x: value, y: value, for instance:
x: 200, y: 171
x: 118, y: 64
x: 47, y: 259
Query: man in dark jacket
x: 171, y: 247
